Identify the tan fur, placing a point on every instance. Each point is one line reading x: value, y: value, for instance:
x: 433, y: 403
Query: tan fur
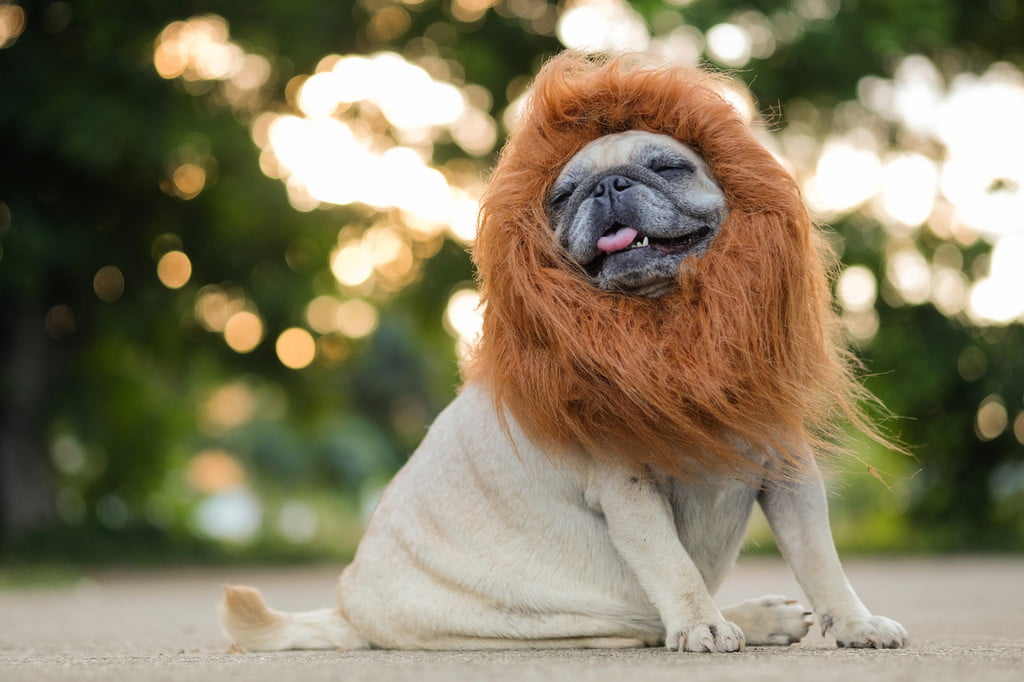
x: 243, y: 609
x: 251, y: 624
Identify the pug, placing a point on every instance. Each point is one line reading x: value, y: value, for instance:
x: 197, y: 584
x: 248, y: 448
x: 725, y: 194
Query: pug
x: 487, y: 540
x: 629, y: 207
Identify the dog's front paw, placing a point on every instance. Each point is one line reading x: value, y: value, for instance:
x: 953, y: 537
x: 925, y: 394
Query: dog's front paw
x: 865, y: 632
x: 719, y: 636
x: 771, y: 620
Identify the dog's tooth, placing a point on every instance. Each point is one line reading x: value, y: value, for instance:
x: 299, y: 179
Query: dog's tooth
x: 645, y: 241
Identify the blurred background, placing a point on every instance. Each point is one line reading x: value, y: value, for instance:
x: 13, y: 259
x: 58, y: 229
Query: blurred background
x: 234, y: 279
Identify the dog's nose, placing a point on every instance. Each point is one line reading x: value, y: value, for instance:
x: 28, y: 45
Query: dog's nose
x: 611, y: 185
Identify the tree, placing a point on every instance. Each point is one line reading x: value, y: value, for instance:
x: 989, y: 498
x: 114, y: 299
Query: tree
x: 143, y: 205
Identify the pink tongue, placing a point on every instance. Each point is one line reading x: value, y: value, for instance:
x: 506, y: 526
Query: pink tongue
x: 618, y: 241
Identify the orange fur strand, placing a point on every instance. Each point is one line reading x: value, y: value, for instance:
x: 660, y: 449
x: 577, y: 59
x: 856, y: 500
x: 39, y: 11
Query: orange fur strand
x: 747, y: 346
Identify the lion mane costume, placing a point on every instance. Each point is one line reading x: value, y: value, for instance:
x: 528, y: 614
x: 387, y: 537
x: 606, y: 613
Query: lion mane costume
x: 747, y: 346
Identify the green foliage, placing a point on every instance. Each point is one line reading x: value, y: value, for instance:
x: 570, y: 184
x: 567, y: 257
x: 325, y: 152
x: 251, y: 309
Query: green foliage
x: 109, y: 400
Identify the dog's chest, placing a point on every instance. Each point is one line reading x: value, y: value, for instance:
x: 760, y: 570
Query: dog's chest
x: 712, y: 521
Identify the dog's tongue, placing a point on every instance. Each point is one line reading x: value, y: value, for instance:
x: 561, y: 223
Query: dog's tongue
x: 617, y: 241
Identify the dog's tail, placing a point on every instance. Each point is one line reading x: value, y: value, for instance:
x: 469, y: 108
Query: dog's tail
x: 254, y: 626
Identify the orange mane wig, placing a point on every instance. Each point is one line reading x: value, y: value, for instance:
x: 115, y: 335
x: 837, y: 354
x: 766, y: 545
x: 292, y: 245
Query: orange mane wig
x: 748, y: 345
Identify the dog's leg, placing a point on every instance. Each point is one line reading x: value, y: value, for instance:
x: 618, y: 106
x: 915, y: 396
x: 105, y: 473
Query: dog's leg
x: 642, y: 529
x: 798, y: 515
x: 770, y: 620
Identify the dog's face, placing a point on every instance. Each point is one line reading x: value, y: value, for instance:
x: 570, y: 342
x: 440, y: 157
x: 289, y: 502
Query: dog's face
x: 629, y: 207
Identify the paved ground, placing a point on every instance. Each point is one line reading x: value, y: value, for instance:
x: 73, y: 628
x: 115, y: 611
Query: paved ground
x: 965, y: 617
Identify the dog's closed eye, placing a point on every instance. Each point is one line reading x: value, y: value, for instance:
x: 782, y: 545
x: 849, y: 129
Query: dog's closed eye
x: 559, y: 196
x: 670, y: 168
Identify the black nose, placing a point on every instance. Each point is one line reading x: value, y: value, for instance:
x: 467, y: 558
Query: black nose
x: 611, y: 185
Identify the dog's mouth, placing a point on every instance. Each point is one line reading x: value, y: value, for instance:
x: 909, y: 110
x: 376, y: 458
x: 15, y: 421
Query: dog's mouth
x: 625, y: 241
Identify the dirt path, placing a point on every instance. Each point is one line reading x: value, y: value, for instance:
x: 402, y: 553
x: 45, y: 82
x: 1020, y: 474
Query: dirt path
x: 965, y: 617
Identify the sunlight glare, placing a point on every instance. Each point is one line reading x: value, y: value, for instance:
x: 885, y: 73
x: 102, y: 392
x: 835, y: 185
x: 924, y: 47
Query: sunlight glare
x: 729, y: 44
x: 233, y: 515
x: 909, y: 186
x: 351, y: 264
x: 243, y: 331
x: 189, y: 180
x: 907, y: 270
x: 683, y: 45
x: 322, y: 314
x: 354, y: 79
x: 917, y: 94
x: 463, y: 318
x: 857, y: 288
x: 599, y: 25
x: 365, y: 135
x: 318, y: 96
x: 976, y: 120
x: 950, y: 289
x: 475, y: 132
x: 997, y: 298
x: 383, y: 243
x: 229, y: 406
x: 174, y: 269
x: 214, y: 307
x: 464, y: 215
x: 214, y: 470
x: 295, y: 348
x: 356, y: 318
x: 991, y: 419
x: 469, y: 11
x: 197, y: 49
x: 12, y: 23
x: 108, y: 283
x: 846, y: 177
x: 862, y: 325
x: 981, y: 128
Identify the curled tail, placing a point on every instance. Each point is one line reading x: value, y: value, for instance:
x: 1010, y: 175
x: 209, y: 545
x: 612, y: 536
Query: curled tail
x: 254, y: 626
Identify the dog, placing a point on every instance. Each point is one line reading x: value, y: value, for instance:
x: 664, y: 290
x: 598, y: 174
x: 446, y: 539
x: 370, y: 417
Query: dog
x: 658, y: 356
